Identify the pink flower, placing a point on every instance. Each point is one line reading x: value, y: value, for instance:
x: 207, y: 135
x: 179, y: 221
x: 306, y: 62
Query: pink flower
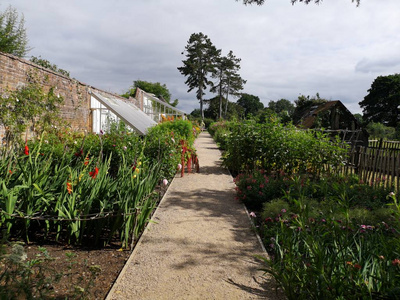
x: 179, y: 166
x: 283, y: 210
x: 165, y: 182
x: 249, y: 187
x: 396, y: 262
x: 252, y: 214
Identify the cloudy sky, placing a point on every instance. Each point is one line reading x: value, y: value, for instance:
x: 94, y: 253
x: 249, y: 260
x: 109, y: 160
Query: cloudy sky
x: 335, y: 48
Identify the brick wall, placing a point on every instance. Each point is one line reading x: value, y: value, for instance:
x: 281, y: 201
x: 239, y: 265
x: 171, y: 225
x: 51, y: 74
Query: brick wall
x: 15, y: 72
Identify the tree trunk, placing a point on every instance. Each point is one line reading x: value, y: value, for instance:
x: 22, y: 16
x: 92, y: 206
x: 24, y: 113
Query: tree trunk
x: 227, y: 95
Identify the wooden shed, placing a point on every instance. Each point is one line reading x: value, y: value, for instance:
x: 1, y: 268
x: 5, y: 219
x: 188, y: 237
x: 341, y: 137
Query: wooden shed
x: 334, y: 117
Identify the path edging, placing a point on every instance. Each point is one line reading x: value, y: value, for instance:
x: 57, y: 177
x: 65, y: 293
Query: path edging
x: 124, y: 269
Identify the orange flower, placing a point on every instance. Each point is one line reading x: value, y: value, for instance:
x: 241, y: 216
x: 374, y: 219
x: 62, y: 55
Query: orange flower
x: 86, y: 161
x: 69, y: 187
x: 94, y: 173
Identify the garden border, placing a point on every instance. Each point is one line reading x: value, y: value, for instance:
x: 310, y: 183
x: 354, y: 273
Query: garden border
x: 133, y: 251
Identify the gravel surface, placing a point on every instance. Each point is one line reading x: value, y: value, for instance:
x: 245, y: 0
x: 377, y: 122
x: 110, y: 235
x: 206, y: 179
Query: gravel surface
x: 201, y: 245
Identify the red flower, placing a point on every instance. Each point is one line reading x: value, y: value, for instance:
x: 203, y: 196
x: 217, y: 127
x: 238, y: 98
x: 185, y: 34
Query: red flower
x: 86, y: 161
x: 94, y: 173
x: 79, y: 153
x: 26, y: 150
x: 357, y: 266
x: 9, y: 171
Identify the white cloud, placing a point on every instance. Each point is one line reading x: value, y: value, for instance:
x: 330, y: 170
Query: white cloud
x: 334, y: 48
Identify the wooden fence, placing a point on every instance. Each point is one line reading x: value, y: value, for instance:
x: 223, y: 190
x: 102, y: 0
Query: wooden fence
x: 381, y: 144
x: 375, y: 166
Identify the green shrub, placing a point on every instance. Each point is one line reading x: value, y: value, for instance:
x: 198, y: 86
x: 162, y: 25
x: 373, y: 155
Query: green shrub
x: 275, y: 148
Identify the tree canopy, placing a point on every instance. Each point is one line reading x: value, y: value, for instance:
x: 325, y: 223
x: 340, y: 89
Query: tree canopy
x: 212, y: 111
x: 382, y: 104
x: 199, y: 64
x: 159, y: 90
x: 261, y: 2
x: 229, y: 82
x: 250, y: 103
x: 13, y: 38
x: 282, y: 105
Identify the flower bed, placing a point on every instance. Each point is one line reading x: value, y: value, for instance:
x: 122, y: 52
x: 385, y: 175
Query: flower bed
x: 328, y: 236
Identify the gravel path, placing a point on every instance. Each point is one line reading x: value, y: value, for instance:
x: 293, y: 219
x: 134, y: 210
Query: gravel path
x: 201, y: 246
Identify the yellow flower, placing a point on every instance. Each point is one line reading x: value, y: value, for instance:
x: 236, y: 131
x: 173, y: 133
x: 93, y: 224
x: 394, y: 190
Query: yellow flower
x: 134, y: 176
x: 137, y: 170
x: 139, y: 164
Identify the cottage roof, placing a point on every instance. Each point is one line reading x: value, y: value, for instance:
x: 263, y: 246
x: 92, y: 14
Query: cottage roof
x: 309, y: 117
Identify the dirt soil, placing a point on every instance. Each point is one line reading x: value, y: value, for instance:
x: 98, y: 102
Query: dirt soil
x: 76, y: 263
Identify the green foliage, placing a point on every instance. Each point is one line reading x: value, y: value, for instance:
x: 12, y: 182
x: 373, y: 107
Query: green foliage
x: 220, y: 131
x: 89, y: 188
x: 382, y: 103
x: 282, y: 106
x: 277, y: 148
x: 159, y: 90
x: 228, y: 82
x: 330, y: 247
x: 250, y: 103
x: 258, y: 187
x: 26, y: 107
x: 163, y: 143
x: 199, y: 63
x: 233, y: 111
x: 380, y: 131
x: 13, y: 37
x: 48, y: 65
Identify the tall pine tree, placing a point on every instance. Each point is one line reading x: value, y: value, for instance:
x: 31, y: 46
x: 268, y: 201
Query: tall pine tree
x: 199, y: 64
x: 229, y: 81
